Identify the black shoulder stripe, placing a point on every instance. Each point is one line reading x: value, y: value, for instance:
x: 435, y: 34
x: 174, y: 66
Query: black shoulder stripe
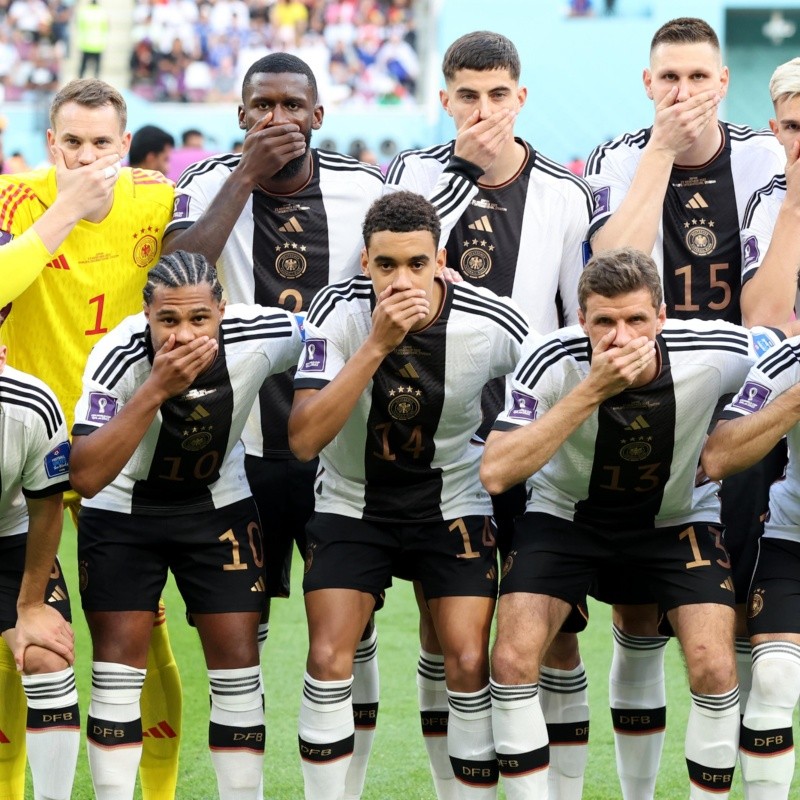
x: 743, y: 132
x: 276, y: 326
x: 230, y: 160
x: 119, y: 360
x: 450, y: 197
x: 326, y: 300
x: 465, y: 298
x: 682, y: 340
x: 545, y: 165
x: 440, y: 153
x: 553, y: 352
x: 25, y: 395
x: 780, y: 359
x: 778, y: 183
x: 342, y: 163
x: 635, y: 139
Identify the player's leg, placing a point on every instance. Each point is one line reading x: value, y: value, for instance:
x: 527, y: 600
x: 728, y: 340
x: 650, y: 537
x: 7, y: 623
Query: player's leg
x: 347, y: 565
x: 766, y: 743
x: 161, y: 702
x: 637, y: 695
x: 433, y: 705
x: 564, y: 697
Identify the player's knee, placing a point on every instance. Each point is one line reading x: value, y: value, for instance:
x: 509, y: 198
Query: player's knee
x: 510, y: 666
x: 467, y: 668
x: 776, y: 682
x: 329, y: 662
x: 40, y: 661
x: 710, y: 671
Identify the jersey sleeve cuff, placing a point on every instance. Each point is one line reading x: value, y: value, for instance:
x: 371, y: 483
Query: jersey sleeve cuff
x: 82, y: 429
x: 460, y: 166
x: 504, y: 425
x: 49, y: 491
x: 310, y: 383
x: 178, y: 225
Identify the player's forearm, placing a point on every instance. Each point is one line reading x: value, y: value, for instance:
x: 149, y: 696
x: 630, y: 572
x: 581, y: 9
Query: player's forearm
x: 209, y: 234
x: 736, y: 444
x: 21, y: 262
x: 768, y: 297
x: 45, y: 517
x: 635, y: 223
x: 511, y: 457
x: 97, y: 458
x: 318, y: 416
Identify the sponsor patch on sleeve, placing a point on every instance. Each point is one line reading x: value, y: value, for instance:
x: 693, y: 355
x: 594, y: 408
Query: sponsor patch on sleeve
x: 602, y: 201
x: 524, y: 406
x: 300, y: 318
x: 180, y: 208
x: 56, y: 462
x: 314, y: 356
x: 752, y: 397
x: 587, y: 252
x: 102, y: 407
x: 750, y: 253
x: 763, y: 341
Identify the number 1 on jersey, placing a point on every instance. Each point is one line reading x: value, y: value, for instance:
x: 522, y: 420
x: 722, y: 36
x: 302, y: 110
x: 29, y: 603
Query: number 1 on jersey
x: 98, y: 320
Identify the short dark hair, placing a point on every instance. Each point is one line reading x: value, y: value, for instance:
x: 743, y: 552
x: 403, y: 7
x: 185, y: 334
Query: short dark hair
x: 481, y: 51
x: 401, y: 212
x: 685, y: 30
x: 148, y: 139
x: 615, y: 272
x: 186, y: 135
x: 91, y: 93
x: 182, y: 269
x: 276, y: 63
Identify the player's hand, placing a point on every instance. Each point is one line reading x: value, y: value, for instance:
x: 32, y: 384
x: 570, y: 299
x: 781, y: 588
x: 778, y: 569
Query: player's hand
x: 451, y: 275
x: 267, y: 149
x: 86, y: 190
x: 176, y: 366
x: 481, y: 140
x: 396, y: 312
x: 679, y: 123
x: 43, y: 626
x: 616, y: 368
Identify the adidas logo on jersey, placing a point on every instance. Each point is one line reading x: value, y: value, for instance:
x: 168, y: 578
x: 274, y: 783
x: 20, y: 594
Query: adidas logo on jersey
x: 638, y: 424
x: 198, y: 414
x: 259, y: 586
x: 727, y: 584
x: 408, y: 372
x: 697, y: 201
x: 161, y: 731
x: 292, y: 226
x: 58, y: 594
x: 58, y: 263
x: 4, y: 739
x: 481, y: 224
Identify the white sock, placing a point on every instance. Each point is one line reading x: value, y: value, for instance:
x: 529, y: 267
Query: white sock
x: 744, y: 669
x: 470, y: 744
x: 564, y: 697
x: 326, y: 734
x: 638, y: 701
x: 114, y: 729
x: 366, y: 691
x: 263, y: 633
x: 712, y: 737
x: 767, y: 743
x: 54, y: 732
x: 520, y: 739
x: 236, y: 731
x: 434, y: 712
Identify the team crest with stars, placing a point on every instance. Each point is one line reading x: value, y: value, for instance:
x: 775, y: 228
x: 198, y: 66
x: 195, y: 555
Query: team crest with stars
x: 290, y: 263
x: 756, y: 604
x: 637, y: 448
x: 700, y: 238
x: 146, y: 247
x: 476, y: 260
x: 196, y: 439
x: 404, y: 403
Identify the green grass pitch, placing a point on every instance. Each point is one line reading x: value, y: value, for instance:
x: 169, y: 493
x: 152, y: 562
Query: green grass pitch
x: 398, y: 766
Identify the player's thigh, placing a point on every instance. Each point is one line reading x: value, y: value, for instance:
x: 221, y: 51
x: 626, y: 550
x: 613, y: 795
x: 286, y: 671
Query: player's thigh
x: 120, y: 637
x: 229, y: 640
x: 774, y: 603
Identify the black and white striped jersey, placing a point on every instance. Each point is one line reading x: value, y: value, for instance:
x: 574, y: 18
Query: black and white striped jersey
x: 191, y: 458
x: 698, y: 248
x: 34, y: 450
x: 767, y: 380
x: 632, y: 463
x: 405, y: 452
x: 524, y: 239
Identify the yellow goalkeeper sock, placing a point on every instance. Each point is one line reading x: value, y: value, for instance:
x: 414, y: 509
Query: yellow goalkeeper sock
x: 13, y: 717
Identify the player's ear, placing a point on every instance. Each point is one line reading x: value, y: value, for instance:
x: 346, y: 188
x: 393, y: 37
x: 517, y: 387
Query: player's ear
x: 242, y: 122
x: 3, y: 354
x: 724, y: 79
x: 126, y: 144
x: 146, y: 309
x: 319, y: 113
x: 581, y: 319
x: 222, y: 304
x: 364, y: 262
x: 647, y: 80
x: 662, y: 318
x: 522, y: 95
x: 444, y: 99
x: 441, y: 260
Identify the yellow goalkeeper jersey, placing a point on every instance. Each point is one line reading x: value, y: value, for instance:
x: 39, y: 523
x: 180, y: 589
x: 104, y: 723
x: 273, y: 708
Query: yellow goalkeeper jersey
x: 88, y: 285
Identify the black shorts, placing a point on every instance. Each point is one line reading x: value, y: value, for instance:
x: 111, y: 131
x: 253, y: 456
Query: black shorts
x: 684, y: 564
x: 745, y: 499
x: 450, y: 558
x: 217, y: 559
x: 774, y: 602
x: 12, y: 567
x: 284, y: 493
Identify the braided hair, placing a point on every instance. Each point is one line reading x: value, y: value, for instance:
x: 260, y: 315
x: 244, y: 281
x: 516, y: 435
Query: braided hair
x: 182, y: 269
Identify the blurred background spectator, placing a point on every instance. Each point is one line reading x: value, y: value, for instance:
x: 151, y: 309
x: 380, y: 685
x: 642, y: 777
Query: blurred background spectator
x: 92, y: 36
x: 151, y: 148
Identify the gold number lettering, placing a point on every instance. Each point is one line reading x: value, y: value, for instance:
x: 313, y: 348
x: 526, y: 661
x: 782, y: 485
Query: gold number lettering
x: 175, y: 466
x: 253, y: 536
x: 387, y: 454
x: 291, y: 294
x: 647, y: 480
x: 55, y: 573
x: 211, y: 459
x: 698, y: 560
x: 725, y: 562
x: 718, y: 284
x: 687, y: 304
x: 414, y: 444
x: 461, y: 528
x: 236, y: 564
x: 613, y: 484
